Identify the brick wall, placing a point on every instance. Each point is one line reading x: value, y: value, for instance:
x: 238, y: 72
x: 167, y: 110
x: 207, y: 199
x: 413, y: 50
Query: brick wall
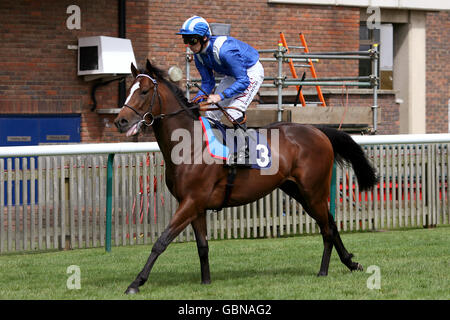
x: 388, y: 123
x: 438, y: 71
x: 257, y: 23
x: 38, y: 71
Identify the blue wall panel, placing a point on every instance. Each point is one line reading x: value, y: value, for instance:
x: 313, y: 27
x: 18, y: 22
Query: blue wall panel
x: 22, y: 130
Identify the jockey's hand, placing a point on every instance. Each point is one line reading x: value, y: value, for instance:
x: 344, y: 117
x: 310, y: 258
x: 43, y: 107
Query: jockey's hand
x: 214, y: 98
x: 199, y: 99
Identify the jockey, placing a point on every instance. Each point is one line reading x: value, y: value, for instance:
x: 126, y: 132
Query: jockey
x: 243, y: 74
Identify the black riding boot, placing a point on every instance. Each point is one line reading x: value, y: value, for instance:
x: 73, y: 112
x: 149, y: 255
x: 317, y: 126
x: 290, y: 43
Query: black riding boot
x: 241, y: 157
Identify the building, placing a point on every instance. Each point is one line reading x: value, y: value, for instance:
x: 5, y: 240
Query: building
x: 40, y: 88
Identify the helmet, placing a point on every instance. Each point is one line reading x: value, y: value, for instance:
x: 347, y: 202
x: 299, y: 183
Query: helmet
x: 195, y: 26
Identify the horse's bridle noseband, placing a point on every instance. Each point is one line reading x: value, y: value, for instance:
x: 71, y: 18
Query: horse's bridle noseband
x: 148, y: 118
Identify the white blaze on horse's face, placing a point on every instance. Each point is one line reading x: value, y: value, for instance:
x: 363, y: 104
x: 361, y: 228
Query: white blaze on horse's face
x: 135, y: 86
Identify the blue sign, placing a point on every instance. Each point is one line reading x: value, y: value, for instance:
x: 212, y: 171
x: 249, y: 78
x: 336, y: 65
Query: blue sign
x: 28, y: 130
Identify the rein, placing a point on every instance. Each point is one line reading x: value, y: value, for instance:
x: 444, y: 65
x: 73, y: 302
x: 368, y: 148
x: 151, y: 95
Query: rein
x: 148, y: 118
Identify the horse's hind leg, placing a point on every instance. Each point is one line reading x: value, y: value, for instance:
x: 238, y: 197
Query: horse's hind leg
x: 199, y: 226
x: 344, y: 255
x: 330, y: 232
x: 330, y: 235
x: 319, y: 211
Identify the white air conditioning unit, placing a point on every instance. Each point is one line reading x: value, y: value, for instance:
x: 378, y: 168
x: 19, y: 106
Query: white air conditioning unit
x: 104, y: 57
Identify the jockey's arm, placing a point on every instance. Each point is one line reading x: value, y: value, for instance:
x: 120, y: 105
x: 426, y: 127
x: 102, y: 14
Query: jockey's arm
x: 235, y: 64
x: 208, y: 80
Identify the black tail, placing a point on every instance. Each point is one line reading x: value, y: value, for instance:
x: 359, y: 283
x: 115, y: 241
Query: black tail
x: 347, y: 150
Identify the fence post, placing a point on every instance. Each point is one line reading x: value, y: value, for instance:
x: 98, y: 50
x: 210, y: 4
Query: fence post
x: 333, y: 192
x: 109, y: 174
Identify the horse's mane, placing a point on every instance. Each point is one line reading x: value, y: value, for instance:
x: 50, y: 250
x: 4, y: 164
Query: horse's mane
x: 161, y: 75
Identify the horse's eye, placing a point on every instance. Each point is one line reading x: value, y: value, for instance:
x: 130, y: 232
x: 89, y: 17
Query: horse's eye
x: 144, y: 92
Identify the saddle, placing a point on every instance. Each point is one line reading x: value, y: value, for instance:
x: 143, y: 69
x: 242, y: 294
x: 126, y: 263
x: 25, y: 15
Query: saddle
x: 221, y: 145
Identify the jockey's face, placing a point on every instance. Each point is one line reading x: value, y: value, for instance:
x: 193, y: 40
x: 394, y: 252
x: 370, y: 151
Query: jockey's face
x: 194, y: 43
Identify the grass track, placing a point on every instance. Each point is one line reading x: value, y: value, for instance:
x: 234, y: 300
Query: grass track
x: 414, y: 264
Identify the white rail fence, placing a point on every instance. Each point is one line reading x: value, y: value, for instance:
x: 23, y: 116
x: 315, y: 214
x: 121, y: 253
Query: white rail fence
x: 54, y: 197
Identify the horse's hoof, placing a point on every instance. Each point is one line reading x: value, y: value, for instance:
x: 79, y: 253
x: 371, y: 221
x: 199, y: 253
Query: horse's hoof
x: 322, y: 274
x: 131, y: 290
x: 357, y: 267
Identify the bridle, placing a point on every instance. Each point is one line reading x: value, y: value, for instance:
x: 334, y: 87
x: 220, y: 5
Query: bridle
x: 148, y: 118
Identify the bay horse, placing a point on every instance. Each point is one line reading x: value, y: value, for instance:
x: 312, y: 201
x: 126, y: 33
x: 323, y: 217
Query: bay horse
x: 305, y: 160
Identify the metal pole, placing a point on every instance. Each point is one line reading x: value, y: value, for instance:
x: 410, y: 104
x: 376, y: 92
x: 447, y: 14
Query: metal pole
x: 326, y: 56
x: 188, y: 73
x: 375, y: 87
x: 333, y: 192
x: 343, y: 53
x: 360, y: 78
x: 109, y: 176
x: 268, y: 50
x: 293, y: 59
x: 279, y: 56
x: 268, y: 85
x: 327, y: 83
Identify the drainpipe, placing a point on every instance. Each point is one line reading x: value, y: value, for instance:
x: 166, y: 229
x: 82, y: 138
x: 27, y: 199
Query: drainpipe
x: 122, y: 34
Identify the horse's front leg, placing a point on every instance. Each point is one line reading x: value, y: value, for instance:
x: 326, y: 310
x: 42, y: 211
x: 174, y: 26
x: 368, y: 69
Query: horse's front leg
x: 184, y: 215
x: 199, y: 226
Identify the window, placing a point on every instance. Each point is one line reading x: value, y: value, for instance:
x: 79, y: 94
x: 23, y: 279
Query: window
x: 384, y: 37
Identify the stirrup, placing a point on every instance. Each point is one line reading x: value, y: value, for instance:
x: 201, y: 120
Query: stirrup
x: 232, y: 160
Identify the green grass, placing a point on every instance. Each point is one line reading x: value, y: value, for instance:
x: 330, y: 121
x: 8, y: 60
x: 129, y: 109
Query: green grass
x: 414, y: 264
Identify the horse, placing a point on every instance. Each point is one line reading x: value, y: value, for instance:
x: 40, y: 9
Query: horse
x: 305, y: 161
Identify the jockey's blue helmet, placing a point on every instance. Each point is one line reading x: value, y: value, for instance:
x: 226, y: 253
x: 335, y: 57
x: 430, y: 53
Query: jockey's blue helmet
x: 195, y: 26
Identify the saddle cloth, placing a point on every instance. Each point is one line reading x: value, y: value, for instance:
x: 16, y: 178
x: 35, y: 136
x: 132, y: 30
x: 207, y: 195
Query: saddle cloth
x: 220, y: 141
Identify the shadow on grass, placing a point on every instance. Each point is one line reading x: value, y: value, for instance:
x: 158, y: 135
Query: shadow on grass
x: 175, y: 278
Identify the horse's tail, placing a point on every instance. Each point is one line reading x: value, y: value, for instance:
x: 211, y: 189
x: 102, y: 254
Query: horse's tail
x: 347, y: 150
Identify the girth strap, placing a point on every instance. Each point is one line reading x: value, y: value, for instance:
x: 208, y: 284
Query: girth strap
x: 229, y: 186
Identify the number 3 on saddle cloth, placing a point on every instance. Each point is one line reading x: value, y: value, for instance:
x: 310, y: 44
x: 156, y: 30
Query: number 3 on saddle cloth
x: 220, y: 141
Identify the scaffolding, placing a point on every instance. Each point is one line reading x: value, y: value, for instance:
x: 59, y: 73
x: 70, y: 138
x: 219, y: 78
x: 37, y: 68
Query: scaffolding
x: 281, y: 55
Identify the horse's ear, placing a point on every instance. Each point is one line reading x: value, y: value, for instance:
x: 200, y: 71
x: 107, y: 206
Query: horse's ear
x: 134, y: 70
x: 149, y: 67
